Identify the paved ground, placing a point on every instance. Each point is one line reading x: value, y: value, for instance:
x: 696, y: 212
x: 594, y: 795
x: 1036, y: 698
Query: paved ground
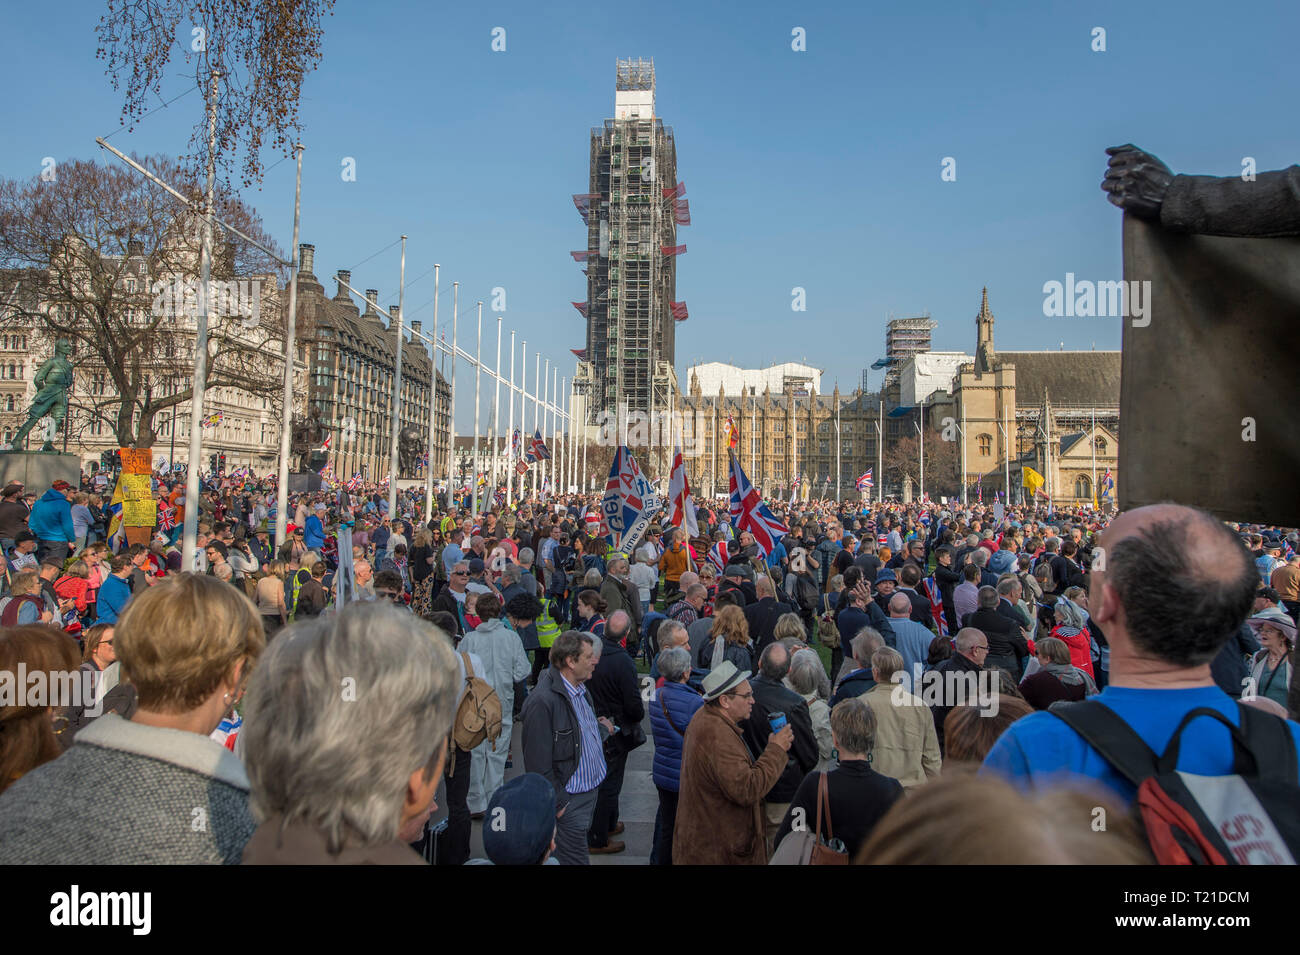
x: 637, y: 805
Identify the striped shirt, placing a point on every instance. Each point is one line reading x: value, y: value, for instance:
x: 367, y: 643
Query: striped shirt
x: 591, y: 757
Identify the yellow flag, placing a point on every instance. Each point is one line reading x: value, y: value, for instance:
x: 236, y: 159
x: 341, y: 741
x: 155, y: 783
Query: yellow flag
x: 1033, y: 480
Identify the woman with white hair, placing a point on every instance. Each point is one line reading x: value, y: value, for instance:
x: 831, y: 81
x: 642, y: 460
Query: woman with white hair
x: 1270, y: 668
x: 808, y: 678
x: 1072, y: 630
x: 345, y: 736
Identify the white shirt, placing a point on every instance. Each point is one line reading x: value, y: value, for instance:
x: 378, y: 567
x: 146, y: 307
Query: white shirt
x: 645, y: 577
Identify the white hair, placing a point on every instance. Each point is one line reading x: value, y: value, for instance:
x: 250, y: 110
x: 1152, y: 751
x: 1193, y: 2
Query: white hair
x: 341, y: 710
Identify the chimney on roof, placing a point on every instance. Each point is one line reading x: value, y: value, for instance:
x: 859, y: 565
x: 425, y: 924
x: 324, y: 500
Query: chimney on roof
x: 416, y: 326
x: 345, y: 279
x: 395, y: 317
x: 306, y: 258
x: 372, y: 297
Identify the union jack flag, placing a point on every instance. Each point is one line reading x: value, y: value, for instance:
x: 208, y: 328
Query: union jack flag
x: 537, y: 450
x: 500, y: 497
x: 749, y: 513
x: 1107, y: 484
x: 935, y: 596
x: 166, y: 516
x: 718, y: 555
x: 865, y: 481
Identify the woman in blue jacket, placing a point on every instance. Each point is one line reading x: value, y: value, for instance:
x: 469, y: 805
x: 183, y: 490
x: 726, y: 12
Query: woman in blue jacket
x: 671, y: 710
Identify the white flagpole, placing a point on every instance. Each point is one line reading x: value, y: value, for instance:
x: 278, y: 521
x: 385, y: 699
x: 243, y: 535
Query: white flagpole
x: 451, y: 381
x: 478, y: 375
x: 496, y: 411
x: 433, y: 403
x: 397, y: 389
x: 510, y: 427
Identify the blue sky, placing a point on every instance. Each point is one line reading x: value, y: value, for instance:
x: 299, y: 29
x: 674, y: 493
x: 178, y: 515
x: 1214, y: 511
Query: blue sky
x: 818, y: 169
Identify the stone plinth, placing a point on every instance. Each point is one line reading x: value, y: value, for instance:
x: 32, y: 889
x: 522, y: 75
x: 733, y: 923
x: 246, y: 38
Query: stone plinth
x: 37, y: 471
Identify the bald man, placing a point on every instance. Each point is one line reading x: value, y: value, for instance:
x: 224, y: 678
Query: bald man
x: 763, y: 614
x: 1172, y: 586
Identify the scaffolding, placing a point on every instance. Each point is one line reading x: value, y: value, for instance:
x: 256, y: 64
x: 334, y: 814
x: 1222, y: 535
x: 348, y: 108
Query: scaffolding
x: 632, y: 210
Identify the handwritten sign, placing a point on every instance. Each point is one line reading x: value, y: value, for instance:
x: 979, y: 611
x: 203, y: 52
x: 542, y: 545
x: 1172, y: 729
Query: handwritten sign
x: 136, y: 461
x: 137, y: 487
x: 139, y: 513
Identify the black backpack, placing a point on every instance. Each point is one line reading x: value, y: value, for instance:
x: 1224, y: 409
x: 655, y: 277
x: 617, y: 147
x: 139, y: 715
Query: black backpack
x: 1244, y: 818
x: 805, y: 592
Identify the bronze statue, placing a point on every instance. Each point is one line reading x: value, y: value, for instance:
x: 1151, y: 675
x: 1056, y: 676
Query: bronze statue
x: 53, y: 384
x: 409, y: 448
x: 1267, y: 205
x: 305, y: 439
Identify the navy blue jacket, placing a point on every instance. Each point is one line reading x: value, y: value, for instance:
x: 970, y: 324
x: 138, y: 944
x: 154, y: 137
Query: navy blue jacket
x: 853, y: 684
x: 682, y: 702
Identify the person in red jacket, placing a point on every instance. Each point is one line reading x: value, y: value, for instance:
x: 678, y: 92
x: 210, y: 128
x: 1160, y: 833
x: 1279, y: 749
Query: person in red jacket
x: 75, y: 586
x: 1072, y: 630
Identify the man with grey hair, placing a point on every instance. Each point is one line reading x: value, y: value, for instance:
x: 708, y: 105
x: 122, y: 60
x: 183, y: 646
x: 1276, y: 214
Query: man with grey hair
x: 859, y: 679
x: 526, y: 577
x: 957, y: 677
x: 619, y: 592
x: 1007, y: 645
x: 807, y: 677
x: 672, y: 634
x: 363, y: 576
x: 563, y: 740
x: 771, y: 695
x: 671, y: 710
x: 907, y: 746
x: 379, y: 743
x: 687, y: 610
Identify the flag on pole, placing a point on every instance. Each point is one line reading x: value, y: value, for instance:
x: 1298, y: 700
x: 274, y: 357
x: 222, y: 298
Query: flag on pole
x: 935, y: 596
x: 865, y: 482
x: 514, y: 444
x: 794, y: 489
x: 1033, y: 480
x: 328, y: 438
x: 732, y: 433
x: 537, y: 450
x: 1107, y: 484
x: 681, y: 506
x: 116, y: 532
x: 166, y: 516
x: 629, y: 504
x: 979, y: 490
x: 749, y: 513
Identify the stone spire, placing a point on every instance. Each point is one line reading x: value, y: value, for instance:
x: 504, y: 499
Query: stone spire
x: 984, y: 336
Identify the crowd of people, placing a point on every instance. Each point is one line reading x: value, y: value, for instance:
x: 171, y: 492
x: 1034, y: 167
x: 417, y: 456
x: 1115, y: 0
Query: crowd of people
x: 827, y: 699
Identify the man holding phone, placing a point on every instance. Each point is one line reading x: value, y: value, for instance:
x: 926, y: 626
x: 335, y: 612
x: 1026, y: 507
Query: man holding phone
x: 775, y: 706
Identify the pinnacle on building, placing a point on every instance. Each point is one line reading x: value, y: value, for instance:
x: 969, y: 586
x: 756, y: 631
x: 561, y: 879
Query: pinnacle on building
x: 632, y: 210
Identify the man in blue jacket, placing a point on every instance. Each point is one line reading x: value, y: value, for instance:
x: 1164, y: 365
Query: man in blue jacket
x: 115, y: 591
x: 51, y: 522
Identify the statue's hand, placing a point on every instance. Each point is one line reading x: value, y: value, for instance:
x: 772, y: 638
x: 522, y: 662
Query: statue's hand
x: 1136, y: 181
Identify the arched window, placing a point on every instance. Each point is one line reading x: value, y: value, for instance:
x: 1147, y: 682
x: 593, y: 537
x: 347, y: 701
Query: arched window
x: 1100, y: 443
x: 9, y: 402
x: 986, y: 444
x: 1082, y: 487
x: 13, y: 370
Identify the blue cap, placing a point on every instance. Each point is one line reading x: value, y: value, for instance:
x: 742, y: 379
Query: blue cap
x: 885, y: 574
x: 520, y: 821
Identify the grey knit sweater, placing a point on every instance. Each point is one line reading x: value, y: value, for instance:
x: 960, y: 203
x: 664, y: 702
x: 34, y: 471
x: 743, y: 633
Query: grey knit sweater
x: 125, y: 793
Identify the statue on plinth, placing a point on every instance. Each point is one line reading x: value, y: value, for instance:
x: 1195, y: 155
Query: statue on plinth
x: 53, y: 384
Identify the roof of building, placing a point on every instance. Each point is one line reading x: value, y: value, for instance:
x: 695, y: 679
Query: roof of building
x: 1080, y: 378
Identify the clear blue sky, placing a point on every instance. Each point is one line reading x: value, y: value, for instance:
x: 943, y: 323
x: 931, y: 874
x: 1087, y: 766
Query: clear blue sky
x: 818, y: 169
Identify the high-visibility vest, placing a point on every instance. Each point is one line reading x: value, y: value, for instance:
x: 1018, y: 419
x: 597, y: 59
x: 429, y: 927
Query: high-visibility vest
x: 547, y: 628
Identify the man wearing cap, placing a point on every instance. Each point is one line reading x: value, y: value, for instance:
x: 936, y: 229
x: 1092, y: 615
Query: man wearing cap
x: 51, y: 522
x: 13, y: 515
x: 739, y: 578
x: 720, y: 805
x: 23, y: 555
x: 314, y: 530
x: 520, y: 827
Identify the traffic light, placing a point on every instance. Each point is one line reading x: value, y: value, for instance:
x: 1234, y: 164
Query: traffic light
x: 221, y: 461
x: 212, y: 464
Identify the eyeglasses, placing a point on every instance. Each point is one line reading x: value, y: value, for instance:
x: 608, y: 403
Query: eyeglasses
x: 460, y: 573
x: 741, y: 696
x: 985, y: 648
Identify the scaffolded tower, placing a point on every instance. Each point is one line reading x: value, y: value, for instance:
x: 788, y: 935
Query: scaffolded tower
x: 632, y: 210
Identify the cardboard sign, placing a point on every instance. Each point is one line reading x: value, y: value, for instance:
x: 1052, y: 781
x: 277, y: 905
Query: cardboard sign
x: 139, y: 513
x: 521, y: 467
x: 136, y: 460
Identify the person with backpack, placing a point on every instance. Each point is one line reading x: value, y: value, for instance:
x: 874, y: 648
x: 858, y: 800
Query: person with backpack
x: 505, y: 664
x: 1177, y: 584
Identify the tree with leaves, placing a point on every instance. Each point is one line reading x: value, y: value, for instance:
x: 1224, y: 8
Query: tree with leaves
x: 261, y: 53
x: 107, y: 260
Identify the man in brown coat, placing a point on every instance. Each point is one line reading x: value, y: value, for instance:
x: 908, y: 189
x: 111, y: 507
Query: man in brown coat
x: 720, y: 808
